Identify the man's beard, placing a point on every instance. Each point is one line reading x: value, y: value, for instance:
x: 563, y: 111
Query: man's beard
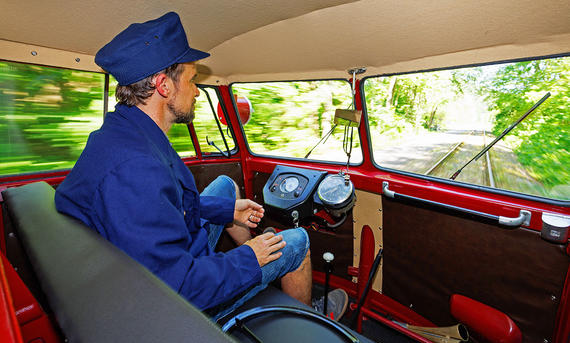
x: 181, y: 117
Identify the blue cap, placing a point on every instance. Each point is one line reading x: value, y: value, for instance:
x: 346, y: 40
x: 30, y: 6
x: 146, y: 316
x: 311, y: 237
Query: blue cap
x: 144, y: 49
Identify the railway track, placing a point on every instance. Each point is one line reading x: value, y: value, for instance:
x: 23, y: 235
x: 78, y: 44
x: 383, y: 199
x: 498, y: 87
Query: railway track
x: 456, y: 156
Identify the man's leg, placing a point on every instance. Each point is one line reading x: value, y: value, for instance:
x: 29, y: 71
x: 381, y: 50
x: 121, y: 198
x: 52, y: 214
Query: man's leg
x: 299, y: 283
x: 224, y: 186
x: 295, y: 260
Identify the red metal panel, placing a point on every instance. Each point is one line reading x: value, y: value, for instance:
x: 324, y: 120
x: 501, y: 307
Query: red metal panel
x: 34, y: 323
x: 34, y: 176
x: 195, y: 143
x: 394, y: 326
x: 40, y: 331
x: 364, y: 139
x: 365, y: 265
x: 2, y: 235
x: 245, y: 156
x: 9, y: 329
x: 54, y: 181
x: 26, y: 306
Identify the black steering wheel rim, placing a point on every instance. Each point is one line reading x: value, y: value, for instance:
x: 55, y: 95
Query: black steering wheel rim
x: 258, y: 311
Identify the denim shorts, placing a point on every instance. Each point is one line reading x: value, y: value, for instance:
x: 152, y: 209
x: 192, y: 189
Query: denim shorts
x: 294, y: 251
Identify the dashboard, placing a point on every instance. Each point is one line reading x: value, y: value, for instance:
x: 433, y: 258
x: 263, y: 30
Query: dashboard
x: 292, y: 195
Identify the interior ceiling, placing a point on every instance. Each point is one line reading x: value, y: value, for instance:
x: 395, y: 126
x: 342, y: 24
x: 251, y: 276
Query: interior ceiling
x: 251, y: 37
x: 85, y: 26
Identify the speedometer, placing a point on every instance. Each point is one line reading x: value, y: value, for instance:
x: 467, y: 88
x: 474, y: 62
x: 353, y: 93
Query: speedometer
x: 336, y: 191
x: 289, y: 184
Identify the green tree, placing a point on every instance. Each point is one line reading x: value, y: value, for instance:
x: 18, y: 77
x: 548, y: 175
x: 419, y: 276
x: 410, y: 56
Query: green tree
x: 542, y: 141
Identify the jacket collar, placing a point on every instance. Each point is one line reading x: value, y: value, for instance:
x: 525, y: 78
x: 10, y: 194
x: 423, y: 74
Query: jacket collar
x: 148, y: 127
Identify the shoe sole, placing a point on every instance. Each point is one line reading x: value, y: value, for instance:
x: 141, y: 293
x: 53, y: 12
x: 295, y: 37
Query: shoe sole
x: 345, y: 295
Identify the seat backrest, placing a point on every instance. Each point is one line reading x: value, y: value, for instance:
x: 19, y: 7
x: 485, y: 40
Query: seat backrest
x: 97, y: 292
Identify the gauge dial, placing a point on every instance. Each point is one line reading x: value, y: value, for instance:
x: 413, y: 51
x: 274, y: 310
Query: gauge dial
x: 334, y: 190
x: 289, y: 184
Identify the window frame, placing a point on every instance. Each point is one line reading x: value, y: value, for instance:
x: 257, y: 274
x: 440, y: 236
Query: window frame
x: 213, y: 155
x: 296, y: 159
x: 497, y: 191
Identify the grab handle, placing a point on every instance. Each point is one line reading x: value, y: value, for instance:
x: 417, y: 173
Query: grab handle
x: 522, y: 219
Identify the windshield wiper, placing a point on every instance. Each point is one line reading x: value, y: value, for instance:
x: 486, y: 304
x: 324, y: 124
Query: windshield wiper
x: 323, y: 139
x: 227, y: 152
x: 507, y: 130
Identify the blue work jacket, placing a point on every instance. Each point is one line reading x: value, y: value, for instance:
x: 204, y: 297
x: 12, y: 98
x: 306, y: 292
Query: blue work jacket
x: 132, y: 187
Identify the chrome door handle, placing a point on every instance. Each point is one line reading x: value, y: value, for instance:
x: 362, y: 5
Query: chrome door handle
x: 522, y: 219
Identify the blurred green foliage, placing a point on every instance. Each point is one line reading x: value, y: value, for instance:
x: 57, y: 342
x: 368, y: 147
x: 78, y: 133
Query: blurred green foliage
x: 46, y: 115
x: 407, y: 104
x: 289, y: 118
x: 542, y: 141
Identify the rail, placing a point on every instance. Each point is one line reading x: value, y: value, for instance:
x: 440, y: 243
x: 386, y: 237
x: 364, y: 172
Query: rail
x: 488, y: 170
x: 438, y: 163
x: 522, y: 219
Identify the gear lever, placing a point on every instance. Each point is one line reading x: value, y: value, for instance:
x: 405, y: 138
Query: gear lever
x: 328, y: 257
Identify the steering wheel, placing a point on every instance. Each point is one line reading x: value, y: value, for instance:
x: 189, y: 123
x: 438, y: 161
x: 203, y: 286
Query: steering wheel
x: 238, y: 321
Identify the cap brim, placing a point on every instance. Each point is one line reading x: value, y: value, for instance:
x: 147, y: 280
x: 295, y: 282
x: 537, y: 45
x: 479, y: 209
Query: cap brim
x: 192, y: 55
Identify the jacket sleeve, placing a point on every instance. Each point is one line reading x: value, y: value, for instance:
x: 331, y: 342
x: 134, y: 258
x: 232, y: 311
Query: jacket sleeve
x: 140, y: 207
x: 217, y: 210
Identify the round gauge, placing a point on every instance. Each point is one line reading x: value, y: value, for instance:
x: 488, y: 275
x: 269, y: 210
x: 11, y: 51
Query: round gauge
x: 334, y: 190
x: 289, y: 184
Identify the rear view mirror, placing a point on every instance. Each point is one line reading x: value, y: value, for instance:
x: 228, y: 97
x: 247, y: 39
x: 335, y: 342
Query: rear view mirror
x: 245, y: 110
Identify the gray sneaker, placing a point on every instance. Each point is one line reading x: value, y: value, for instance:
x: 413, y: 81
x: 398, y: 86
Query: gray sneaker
x: 337, y: 302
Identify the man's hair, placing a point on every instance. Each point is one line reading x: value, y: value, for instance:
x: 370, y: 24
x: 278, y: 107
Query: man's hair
x: 137, y: 93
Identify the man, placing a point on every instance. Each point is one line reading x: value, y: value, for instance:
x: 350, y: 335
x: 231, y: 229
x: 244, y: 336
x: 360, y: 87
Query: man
x: 132, y: 187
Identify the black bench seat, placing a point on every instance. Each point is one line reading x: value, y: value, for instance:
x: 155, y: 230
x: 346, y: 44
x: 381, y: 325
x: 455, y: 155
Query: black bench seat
x: 96, y: 292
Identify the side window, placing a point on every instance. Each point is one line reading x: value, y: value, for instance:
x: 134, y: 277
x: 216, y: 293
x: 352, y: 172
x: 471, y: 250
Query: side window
x: 46, y: 115
x: 204, y: 124
x: 290, y: 118
x: 433, y: 123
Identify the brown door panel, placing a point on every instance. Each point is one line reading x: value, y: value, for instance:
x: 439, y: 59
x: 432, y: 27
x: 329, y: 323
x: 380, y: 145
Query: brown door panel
x: 430, y: 254
x: 206, y: 173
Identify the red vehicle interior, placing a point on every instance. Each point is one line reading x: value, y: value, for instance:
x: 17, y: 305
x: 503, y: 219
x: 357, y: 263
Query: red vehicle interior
x: 429, y: 253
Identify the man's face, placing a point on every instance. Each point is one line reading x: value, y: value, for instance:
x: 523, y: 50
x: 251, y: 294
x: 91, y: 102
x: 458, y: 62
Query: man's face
x: 182, y: 103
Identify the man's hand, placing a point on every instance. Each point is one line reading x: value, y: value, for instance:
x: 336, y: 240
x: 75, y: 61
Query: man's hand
x: 264, y: 247
x: 247, y: 213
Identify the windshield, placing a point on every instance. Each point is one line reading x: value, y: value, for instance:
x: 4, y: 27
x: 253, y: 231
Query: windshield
x: 433, y: 123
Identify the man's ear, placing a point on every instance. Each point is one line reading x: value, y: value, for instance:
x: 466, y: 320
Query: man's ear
x: 161, y: 85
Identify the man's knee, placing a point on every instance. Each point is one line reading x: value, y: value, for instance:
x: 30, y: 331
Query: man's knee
x: 223, y: 186
x: 306, y: 261
x: 298, y: 244
x: 235, y: 185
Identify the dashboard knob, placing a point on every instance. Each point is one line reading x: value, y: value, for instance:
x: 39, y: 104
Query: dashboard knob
x: 328, y: 257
